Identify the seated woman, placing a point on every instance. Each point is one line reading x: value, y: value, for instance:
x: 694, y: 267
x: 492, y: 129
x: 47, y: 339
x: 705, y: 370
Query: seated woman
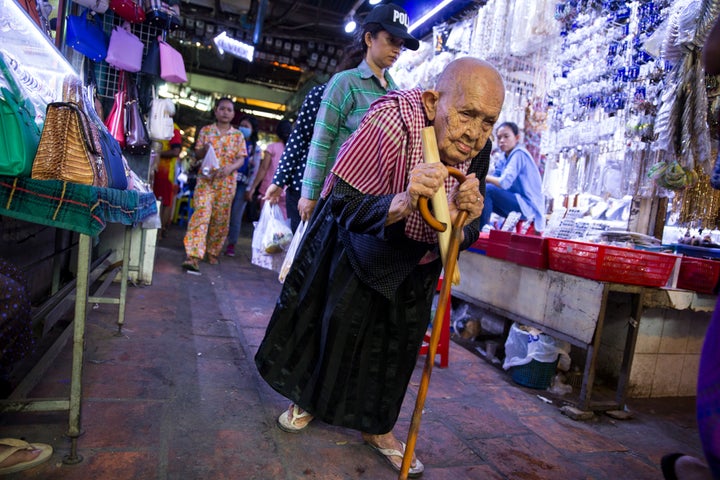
x: 517, y: 185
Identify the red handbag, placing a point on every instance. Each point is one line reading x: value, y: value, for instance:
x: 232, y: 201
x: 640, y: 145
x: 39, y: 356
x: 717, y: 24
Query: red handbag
x: 129, y: 10
x: 115, y: 121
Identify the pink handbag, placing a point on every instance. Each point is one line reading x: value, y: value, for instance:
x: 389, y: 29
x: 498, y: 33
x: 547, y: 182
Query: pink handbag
x: 125, y: 50
x: 172, y: 66
x: 115, y: 121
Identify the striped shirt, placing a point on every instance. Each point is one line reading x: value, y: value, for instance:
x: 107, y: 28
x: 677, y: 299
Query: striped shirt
x: 346, y: 100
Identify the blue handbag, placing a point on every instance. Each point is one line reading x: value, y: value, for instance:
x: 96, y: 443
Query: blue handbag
x: 87, y: 36
x: 112, y: 158
x: 151, y: 60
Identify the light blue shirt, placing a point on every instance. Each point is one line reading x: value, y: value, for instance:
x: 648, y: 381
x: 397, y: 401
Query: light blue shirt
x: 521, y: 176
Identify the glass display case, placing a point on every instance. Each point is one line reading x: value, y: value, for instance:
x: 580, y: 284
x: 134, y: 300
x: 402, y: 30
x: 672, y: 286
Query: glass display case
x: 37, y: 66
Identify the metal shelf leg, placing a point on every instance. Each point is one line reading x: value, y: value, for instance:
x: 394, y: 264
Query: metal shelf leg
x: 81, y: 296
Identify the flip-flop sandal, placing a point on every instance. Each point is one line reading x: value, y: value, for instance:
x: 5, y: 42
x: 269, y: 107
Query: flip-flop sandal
x: 191, y: 265
x: 388, y: 453
x: 287, y: 424
x: 19, y: 445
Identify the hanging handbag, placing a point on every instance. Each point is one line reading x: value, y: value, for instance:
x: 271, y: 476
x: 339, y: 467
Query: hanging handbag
x: 67, y: 149
x: 99, y: 6
x: 115, y: 121
x: 125, y: 50
x: 19, y: 134
x: 112, y: 160
x: 163, y: 14
x: 110, y: 151
x: 172, y: 66
x: 137, y: 140
x: 86, y: 36
x: 160, y: 120
x: 129, y: 10
x: 151, y: 60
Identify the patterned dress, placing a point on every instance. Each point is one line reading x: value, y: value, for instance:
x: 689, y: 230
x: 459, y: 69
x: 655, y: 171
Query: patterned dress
x: 213, y: 198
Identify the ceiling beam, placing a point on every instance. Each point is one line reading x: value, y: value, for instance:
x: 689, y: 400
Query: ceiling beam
x: 223, y: 86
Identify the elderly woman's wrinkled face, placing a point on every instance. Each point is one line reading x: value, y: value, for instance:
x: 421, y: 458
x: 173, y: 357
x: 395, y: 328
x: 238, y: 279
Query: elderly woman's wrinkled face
x: 465, y: 116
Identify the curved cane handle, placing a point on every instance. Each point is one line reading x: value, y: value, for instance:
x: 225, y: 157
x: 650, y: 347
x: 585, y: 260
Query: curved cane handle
x: 434, y: 223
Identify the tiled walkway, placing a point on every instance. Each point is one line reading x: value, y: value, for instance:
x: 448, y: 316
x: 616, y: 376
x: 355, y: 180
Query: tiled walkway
x: 178, y: 397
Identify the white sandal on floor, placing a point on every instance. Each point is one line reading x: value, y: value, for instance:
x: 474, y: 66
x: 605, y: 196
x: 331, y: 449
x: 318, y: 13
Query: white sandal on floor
x: 287, y: 420
x: 14, y: 445
x: 387, y: 453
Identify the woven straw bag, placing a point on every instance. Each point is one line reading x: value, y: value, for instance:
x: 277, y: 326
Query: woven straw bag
x: 69, y: 150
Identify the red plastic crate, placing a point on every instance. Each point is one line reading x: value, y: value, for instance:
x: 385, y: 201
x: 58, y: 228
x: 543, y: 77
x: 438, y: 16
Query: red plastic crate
x: 480, y: 245
x: 698, y: 274
x: 498, y: 244
x: 607, y: 263
x: 528, y: 250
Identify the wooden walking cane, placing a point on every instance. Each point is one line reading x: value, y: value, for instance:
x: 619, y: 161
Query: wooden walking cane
x: 439, y: 200
x: 437, y: 324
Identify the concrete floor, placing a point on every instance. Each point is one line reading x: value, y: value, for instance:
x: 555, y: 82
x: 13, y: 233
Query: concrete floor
x: 177, y: 396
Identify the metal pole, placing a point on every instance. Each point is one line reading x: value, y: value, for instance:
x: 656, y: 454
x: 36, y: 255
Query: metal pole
x: 81, y: 299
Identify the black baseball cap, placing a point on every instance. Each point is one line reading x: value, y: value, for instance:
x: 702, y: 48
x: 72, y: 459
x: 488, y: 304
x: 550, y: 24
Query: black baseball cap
x: 395, y: 21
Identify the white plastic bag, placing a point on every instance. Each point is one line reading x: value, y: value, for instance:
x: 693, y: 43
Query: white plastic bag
x: 525, y: 344
x: 210, y: 162
x: 292, y: 250
x: 272, y: 233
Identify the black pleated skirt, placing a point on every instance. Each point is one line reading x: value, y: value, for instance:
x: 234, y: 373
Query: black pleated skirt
x: 336, y: 347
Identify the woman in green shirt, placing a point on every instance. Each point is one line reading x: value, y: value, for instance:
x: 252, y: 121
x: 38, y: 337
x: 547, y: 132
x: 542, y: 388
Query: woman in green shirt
x: 349, y: 94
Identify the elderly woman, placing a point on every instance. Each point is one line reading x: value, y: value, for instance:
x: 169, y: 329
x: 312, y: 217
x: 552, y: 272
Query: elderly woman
x: 343, y: 340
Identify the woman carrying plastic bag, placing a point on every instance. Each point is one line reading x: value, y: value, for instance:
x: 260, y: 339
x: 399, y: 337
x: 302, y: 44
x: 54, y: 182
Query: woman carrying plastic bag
x: 271, y: 238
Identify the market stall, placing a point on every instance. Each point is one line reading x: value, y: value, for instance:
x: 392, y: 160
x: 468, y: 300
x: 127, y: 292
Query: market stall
x: 86, y: 210
x: 604, y: 319
x: 617, y: 113
x: 597, y: 89
x: 34, y: 76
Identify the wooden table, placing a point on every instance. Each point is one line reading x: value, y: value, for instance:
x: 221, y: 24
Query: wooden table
x: 85, y: 210
x: 566, y: 307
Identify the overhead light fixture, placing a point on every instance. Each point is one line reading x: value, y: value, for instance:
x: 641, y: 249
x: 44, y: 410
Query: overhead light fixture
x: 234, y: 47
x: 351, y: 24
x: 429, y: 15
x: 260, y: 113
